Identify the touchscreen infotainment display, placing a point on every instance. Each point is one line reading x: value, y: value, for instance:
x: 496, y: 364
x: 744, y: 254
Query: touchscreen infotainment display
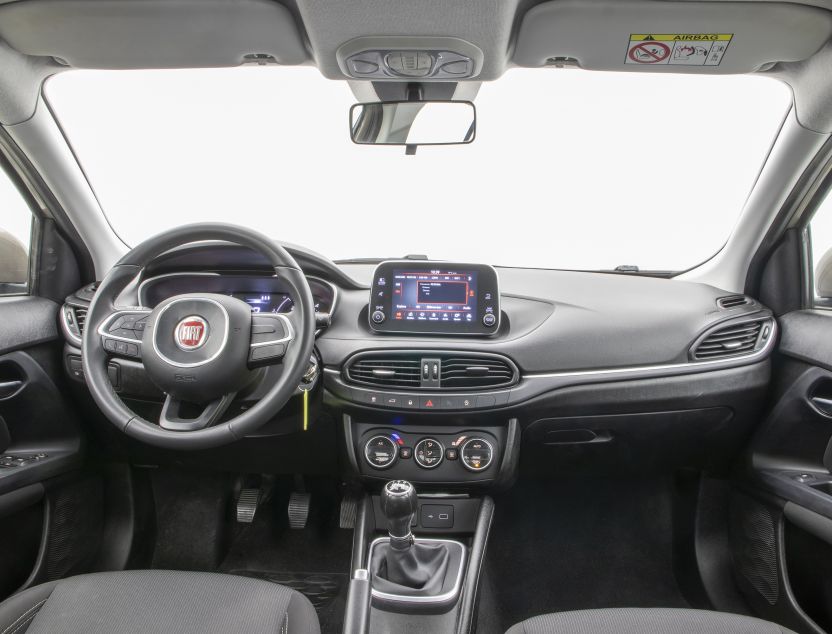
x: 449, y: 296
x: 435, y: 297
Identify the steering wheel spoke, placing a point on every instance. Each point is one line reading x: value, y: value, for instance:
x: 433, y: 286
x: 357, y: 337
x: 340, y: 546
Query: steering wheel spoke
x: 172, y: 417
x: 271, y: 335
x: 121, y: 332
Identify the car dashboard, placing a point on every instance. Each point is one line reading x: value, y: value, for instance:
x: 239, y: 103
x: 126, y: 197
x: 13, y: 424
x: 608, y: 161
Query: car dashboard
x: 576, y: 371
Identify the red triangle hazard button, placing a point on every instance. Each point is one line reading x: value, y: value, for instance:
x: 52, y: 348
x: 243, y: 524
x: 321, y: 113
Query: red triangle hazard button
x: 429, y: 403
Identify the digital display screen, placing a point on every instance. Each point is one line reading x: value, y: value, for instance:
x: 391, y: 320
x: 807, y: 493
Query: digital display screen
x: 266, y: 302
x: 441, y: 296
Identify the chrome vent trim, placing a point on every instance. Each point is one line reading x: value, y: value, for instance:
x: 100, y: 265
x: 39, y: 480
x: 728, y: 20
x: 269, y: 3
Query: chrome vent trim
x: 731, y: 340
x: 458, y: 371
x: 733, y: 301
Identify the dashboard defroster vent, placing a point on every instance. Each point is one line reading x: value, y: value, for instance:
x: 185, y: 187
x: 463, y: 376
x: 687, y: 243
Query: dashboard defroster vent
x: 397, y: 371
x: 475, y: 372
x: 733, y: 301
x: 732, y: 340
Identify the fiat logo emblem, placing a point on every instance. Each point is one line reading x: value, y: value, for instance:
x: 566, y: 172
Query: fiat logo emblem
x: 191, y: 333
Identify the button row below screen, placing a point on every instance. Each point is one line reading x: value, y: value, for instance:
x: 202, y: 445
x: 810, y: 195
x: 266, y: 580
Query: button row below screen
x: 431, y: 401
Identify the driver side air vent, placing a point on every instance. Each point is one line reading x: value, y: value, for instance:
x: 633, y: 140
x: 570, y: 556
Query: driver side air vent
x: 75, y: 318
x: 735, y: 339
x: 732, y: 301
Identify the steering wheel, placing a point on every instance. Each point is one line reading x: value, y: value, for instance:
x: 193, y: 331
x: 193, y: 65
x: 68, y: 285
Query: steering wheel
x: 200, y: 349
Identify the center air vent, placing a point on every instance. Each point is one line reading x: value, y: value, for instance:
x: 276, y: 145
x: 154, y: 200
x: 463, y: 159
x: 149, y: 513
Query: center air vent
x: 732, y: 301
x: 735, y: 339
x: 474, y: 372
x: 386, y: 371
x: 431, y: 370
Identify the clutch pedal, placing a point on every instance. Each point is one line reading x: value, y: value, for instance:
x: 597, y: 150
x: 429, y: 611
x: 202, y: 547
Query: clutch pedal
x: 247, y: 505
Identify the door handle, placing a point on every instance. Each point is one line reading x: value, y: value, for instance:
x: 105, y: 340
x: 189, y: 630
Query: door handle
x: 10, y: 388
x: 822, y: 405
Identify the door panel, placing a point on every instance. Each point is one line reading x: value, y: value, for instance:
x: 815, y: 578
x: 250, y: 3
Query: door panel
x: 785, y: 519
x: 40, y: 439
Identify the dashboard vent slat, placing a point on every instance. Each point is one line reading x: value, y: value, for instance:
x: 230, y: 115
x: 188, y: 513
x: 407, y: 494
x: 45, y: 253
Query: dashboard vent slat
x: 474, y: 373
x: 392, y: 372
x: 80, y: 318
x: 729, y: 341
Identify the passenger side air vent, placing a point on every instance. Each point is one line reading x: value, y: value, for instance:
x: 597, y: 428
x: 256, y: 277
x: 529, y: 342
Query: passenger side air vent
x: 396, y: 371
x: 735, y: 339
x: 475, y: 373
x: 732, y: 301
x: 431, y: 370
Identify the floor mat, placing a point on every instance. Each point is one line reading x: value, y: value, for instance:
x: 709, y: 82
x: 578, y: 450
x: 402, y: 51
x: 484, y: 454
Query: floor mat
x: 268, y: 549
x: 326, y: 591
x: 580, y: 544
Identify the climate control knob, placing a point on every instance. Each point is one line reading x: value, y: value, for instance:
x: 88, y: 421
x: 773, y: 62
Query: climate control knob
x: 476, y: 454
x: 428, y: 453
x: 380, y: 452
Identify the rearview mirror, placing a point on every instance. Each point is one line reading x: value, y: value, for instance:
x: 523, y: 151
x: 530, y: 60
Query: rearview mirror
x: 413, y: 123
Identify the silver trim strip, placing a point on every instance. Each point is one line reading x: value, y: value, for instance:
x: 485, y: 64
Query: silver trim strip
x: 199, y: 363
x: 446, y: 597
x: 104, y: 324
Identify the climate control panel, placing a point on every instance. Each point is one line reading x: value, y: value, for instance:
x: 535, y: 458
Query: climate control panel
x: 431, y: 455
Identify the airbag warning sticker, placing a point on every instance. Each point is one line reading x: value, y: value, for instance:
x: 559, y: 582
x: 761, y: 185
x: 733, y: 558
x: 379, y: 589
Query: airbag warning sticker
x: 679, y: 49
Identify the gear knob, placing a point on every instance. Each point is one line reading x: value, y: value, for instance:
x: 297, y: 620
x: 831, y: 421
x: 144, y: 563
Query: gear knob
x: 398, y: 503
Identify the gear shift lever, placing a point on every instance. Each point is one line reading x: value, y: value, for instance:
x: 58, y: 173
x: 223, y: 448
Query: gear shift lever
x: 398, y: 503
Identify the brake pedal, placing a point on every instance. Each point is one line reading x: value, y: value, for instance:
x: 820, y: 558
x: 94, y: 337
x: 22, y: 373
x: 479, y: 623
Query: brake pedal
x: 349, y: 510
x: 298, y: 510
x: 247, y: 505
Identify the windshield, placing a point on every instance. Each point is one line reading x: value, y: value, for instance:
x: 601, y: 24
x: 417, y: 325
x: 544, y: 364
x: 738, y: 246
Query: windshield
x: 569, y: 169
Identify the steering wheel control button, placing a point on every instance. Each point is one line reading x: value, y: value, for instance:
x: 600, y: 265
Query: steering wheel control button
x: 429, y: 453
x: 489, y: 320
x: 380, y: 452
x: 477, y: 454
x: 271, y: 351
x: 378, y: 317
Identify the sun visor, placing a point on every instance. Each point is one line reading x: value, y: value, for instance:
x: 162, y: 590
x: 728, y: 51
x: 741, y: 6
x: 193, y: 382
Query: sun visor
x: 676, y: 37
x: 116, y: 34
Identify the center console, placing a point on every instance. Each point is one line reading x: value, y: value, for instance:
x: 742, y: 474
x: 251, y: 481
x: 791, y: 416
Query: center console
x: 432, y: 420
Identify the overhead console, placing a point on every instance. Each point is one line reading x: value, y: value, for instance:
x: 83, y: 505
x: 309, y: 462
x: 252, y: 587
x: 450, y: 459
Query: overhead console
x: 438, y: 298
